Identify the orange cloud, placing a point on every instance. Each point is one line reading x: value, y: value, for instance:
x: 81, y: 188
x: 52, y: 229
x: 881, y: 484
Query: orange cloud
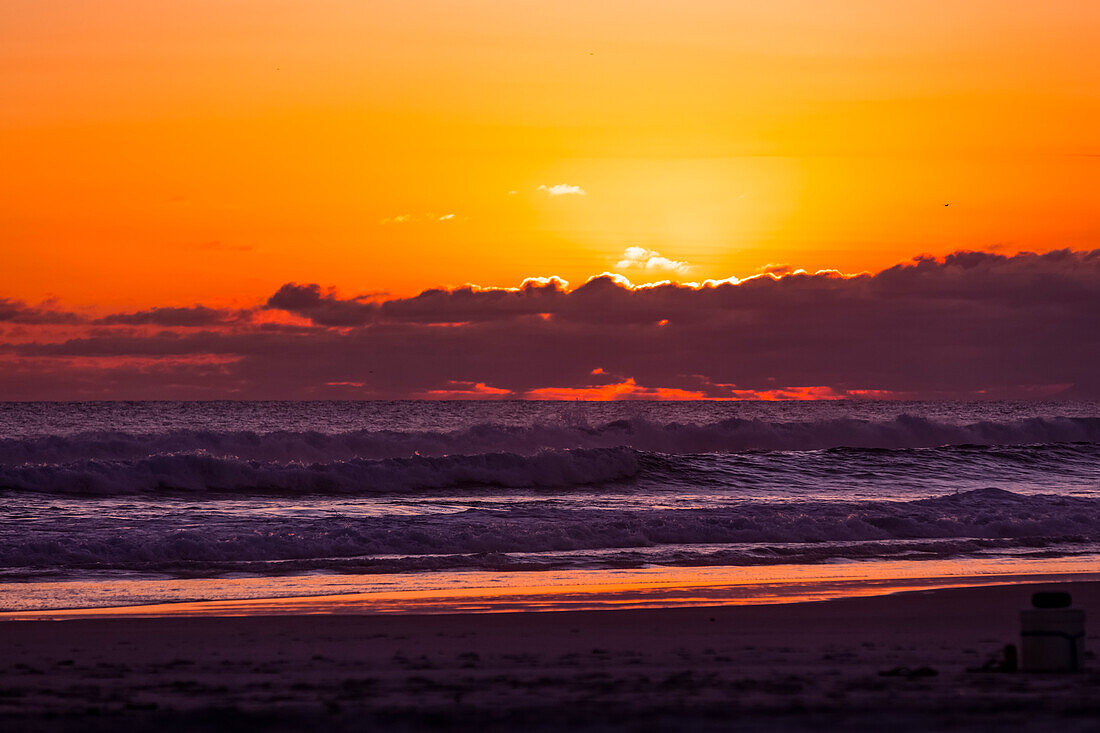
x: 789, y: 393
x: 465, y: 391
x: 629, y: 389
x: 625, y: 390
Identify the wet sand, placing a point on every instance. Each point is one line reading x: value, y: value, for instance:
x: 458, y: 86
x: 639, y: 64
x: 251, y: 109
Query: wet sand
x: 899, y: 661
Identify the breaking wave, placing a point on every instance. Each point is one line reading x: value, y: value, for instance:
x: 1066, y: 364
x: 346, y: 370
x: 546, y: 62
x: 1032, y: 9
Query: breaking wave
x: 725, y: 436
x: 207, y: 473
x: 748, y: 533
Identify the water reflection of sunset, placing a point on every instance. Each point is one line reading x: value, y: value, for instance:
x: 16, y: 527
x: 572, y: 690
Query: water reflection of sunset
x: 485, y: 592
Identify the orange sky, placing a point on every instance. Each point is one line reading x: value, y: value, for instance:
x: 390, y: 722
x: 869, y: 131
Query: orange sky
x: 186, y: 151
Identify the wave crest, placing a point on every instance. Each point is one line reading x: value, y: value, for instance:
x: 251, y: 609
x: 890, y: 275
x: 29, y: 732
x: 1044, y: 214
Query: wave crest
x: 729, y: 436
x: 206, y: 473
x: 746, y: 533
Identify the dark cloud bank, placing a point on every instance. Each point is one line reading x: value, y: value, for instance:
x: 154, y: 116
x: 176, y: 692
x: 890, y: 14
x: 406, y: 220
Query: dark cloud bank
x: 970, y: 325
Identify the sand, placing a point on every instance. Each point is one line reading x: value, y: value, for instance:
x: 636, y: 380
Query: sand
x: 802, y: 666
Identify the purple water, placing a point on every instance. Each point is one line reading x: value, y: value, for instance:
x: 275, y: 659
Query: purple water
x: 228, y: 489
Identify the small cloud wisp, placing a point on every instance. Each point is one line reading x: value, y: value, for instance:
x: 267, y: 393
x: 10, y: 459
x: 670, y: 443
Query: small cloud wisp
x: 646, y: 259
x: 562, y: 189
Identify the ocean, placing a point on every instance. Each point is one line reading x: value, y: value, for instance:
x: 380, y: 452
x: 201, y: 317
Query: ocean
x: 113, y: 503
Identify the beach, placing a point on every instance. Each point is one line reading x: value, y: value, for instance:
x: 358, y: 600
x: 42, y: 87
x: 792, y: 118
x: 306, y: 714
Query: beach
x: 906, y: 661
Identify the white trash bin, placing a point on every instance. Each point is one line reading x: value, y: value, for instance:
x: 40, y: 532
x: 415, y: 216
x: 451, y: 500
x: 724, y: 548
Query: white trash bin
x: 1052, y: 634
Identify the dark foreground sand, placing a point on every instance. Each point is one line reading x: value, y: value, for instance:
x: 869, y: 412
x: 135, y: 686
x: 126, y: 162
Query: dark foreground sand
x: 808, y: 666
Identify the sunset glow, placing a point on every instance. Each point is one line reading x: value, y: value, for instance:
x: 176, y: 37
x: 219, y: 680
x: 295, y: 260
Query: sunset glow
x: 191, y: 151
x: 592, y: 365
x: 338, y: 199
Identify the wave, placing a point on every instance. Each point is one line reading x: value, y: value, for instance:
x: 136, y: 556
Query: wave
x: 747, y: 533
x: 206, y: 473
x: 726, y: 436
x: 671, y: 556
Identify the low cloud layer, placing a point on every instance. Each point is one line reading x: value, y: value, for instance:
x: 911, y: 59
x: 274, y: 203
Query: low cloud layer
x: 970, y: 325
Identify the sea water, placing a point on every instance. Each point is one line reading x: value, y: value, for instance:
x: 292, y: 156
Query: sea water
x: 111, y: 503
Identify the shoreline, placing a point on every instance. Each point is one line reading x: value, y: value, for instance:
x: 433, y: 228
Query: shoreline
x: 533, y: 591
x: 794, y: 666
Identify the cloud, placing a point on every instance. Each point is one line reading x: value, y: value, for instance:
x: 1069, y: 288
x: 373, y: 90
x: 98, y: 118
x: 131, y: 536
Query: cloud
x: 562, y: 189
x: 419, y: 218
x: 323, y: 308
x: 968, y: 325
x: 465, y: 391
x: 399, y: 219
x: 16, y: 311
x: 195, y: 316
x: 469, y: 303
x: 646, y: 259
x: 625, y: 390
x: 629, y: 389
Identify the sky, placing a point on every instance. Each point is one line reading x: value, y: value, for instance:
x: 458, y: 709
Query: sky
x: 247, y: 199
